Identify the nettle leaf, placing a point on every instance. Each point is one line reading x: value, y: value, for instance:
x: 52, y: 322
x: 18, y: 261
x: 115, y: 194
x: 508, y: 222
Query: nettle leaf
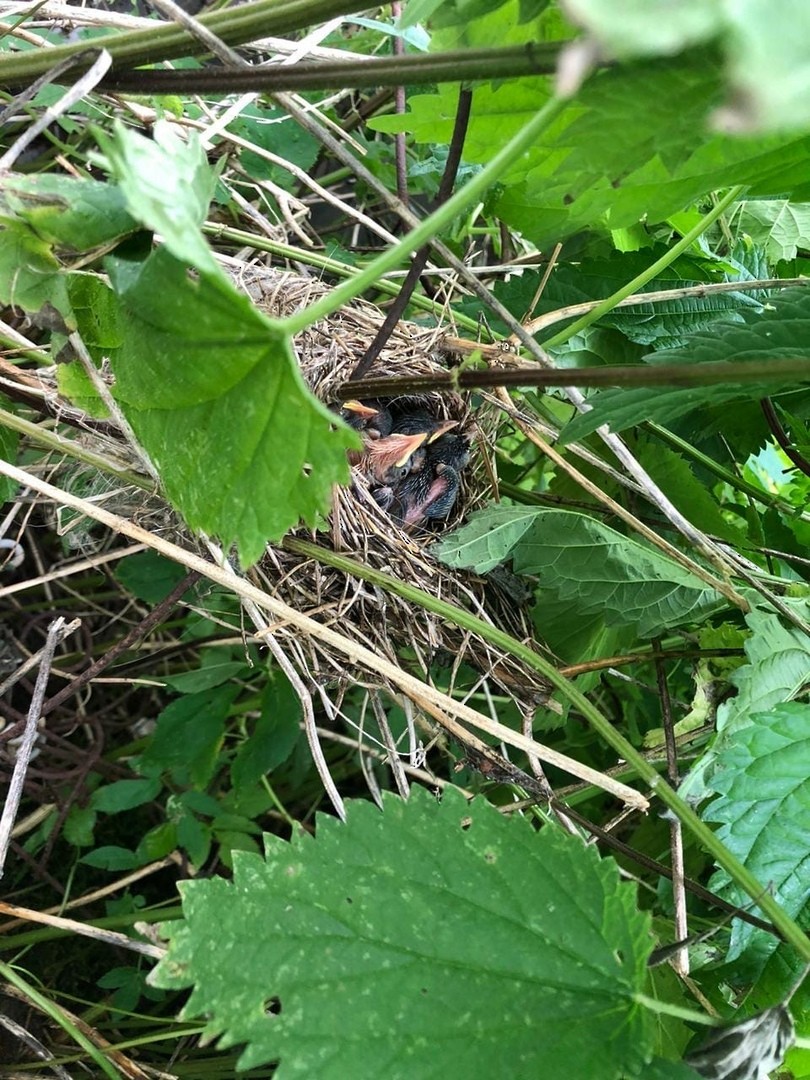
x: 488, y: 538
x: 781, y: 331
x: 764, y: 810
x: 585, y: 563
x: 431, y: 939
x: 778, y: 668
x: 30, y: 276
x: 777, y: 226
x: 768, y: 69
x: 167, y: 184
x: 665, y: 324
x: 216, y: 398
x: 66, y: 212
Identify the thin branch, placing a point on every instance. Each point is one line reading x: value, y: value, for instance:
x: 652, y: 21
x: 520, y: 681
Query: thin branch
x: 709, y: 373
x: 57, y: 632
x: 419, y: 261
x: 680, y: 960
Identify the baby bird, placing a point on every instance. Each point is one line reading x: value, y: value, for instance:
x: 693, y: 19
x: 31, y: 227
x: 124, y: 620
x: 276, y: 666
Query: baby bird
x: 429, y: 492
x: 372, y: 420
x: 390, y: 459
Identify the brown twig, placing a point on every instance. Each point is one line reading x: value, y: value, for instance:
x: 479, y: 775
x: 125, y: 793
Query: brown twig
x: 420, y: 258
x: 781, y: 436
x: 144, y: 627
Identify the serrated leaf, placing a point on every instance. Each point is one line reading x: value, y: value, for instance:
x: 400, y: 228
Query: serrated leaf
x: 674, y: 475
x: 780, y: 331
x: 665, y: 324
x: 586, y: 564
x: 214, y: 393
x: 433, y: 939
x: 188, y: 736
x: 67, y: 212
x: 764, y: 809
x: 167, y: 185
x: 778, y: 668
x: 768, y: 68
x: 124, y: 795
x: 777, y: 226
x: 488, y: 538
x: 29, y: 273
x: 149, y: 576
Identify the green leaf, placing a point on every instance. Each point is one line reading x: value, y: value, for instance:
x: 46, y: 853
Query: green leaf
x: 124, y: 795
x: 167, y: 184
x: 79, y: 826
x: 188, y: 736
x: 29, y: 273
x: 664, y: 324
x: 778, y: 668
x: 488, y: 538
x: 433, y: 939
x: 780, y: 331
x: 149, y: 576
x: 642, y: 28
x: 9, y: 441
x: 764, y: 809
x: 111, y: 858
x: 779, y: 227
x: 273, y: 739
x: 674, y: 475
x: 768, y: 68
x: 586, y: 564
x: 215, y: 396
x: 206, y: 677
x: 67, y: 212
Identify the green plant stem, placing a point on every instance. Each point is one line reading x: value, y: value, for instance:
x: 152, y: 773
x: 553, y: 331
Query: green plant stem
x: 467, y: 65
x: 440, y: 219
x: 234, y: 26
x: 790, y: 931
x: 651, y: 272
x: 51, y: 441
x: 332, y: 266
x: 56, y: 1014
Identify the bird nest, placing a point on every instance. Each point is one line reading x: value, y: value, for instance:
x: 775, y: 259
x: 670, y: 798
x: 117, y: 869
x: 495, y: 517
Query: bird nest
x: 391, y: 626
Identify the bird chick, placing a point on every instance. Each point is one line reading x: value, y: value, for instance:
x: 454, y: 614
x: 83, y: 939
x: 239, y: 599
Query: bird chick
x: 389, y: 460
x: 373, y: 420
x: 416, y: 420
x: 429, y: 492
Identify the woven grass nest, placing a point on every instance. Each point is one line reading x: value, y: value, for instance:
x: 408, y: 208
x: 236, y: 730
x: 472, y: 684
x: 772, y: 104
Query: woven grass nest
x: 328, y: 353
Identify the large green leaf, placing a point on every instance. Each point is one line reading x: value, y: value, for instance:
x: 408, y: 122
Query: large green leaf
x: 779, y: 331
x: 584, y: 563
x: 636, y: 143
x: 215, y: 396
x: 764, y: 808
x: 66, y: 212
x: 778, y: 226
x: 777, y: 670
x: 432, y: 939
x: 767, y: 57
x: 167, y: 185
x: 29, y: 273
